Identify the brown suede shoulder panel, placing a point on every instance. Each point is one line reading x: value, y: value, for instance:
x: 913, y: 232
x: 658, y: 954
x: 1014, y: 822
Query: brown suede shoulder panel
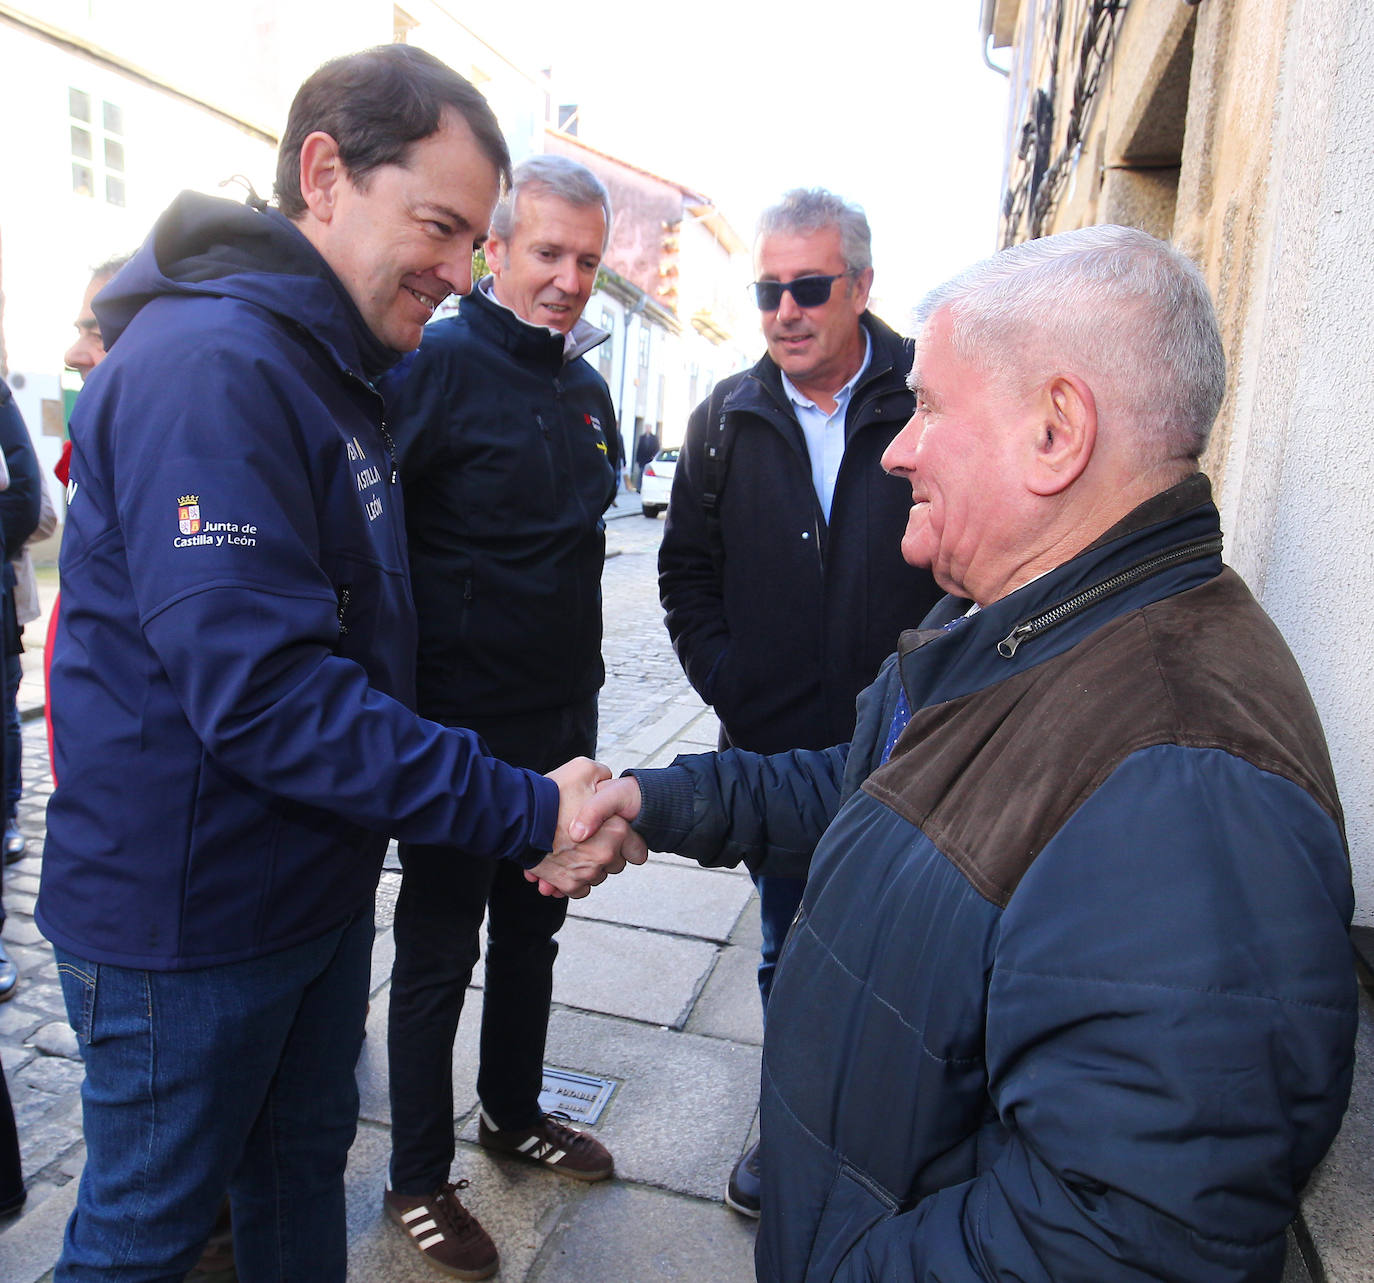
x: 991, y: 777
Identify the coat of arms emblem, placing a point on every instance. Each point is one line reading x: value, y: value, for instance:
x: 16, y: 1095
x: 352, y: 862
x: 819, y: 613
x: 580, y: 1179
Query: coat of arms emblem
x: 188, y: 514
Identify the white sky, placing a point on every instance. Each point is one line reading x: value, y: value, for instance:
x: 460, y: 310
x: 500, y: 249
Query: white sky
x: 887, y: 104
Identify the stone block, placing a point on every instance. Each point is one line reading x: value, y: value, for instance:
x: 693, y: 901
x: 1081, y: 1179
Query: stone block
x: 31, y: 1246
x: 683, y: 1106
x: 17, y: 1019
x: 22, y: 931
x: 626, y: 971
x: 680, y: 898
x: 54, y: 1074
x: 621, y: 1232
x: 56, y: 1038
x: 729, y: 1003
x: 383, y: 955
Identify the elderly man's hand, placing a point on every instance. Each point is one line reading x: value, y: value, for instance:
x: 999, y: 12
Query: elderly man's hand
x: 573, y: 868
x: 613, y: 797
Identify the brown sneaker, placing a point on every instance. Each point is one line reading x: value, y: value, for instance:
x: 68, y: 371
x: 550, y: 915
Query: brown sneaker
x: 445, y: 1232
x: 553, y: 1143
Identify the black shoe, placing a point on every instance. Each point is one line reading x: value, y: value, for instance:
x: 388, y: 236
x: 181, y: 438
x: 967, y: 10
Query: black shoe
x: 742, y: 1193
x: 16, y: 844
x: 9, y: 975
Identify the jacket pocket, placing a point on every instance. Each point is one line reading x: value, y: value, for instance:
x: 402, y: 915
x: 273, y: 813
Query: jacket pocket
x: 78, y: 993
x: 854, y: 1206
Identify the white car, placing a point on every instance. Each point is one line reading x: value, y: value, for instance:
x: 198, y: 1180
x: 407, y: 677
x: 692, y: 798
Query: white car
x: 657, y: 482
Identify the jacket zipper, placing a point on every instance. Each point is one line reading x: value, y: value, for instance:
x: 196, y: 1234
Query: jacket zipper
x: 390, y: 450
x: 1195, y: 550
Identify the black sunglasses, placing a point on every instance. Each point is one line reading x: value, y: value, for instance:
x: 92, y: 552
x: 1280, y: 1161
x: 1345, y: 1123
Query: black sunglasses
x: 806, y: 291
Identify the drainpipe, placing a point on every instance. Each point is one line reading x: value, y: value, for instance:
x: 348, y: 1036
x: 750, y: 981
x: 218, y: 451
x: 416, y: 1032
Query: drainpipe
x: 631, y: 313
x: 985, y: 37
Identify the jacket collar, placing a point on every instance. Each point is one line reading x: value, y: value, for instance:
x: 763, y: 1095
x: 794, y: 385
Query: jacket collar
x: 940, y: 663
x: 521, y: 338
x: 761, y: 388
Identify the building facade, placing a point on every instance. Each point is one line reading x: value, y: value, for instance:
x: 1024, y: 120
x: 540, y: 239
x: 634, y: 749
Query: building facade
x: 672, y: 296
x: 1242, y: 131
x: 111, y: 107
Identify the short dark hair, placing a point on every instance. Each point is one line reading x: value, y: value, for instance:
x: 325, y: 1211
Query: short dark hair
x: 375, y: 105
x: 104, y: 271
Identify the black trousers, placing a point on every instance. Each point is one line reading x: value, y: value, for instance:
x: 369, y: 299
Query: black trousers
x: 444, y: 896
x: 11, y: 1175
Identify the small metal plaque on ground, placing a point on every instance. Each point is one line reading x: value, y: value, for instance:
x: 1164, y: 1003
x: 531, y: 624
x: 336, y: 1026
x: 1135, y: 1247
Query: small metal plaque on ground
x: 581, y: 1096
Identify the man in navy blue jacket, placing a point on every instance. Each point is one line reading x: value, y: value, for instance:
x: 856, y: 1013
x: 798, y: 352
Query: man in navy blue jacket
x: 234, y: 679
x: 508, y: 457
x: 1070, y: 995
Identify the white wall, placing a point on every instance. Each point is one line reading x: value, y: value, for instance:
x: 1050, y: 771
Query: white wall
x: 51, y: 235
x: 1298, y: 506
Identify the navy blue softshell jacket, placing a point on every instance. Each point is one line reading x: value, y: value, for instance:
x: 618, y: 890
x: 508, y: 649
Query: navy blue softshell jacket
x: 234, y: 668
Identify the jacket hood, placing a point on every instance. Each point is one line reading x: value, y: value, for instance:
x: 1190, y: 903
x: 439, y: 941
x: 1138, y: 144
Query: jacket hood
x: 206, y: 246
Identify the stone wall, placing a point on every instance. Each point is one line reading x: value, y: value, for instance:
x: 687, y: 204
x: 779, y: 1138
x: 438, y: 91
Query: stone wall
x: 1242, y: 129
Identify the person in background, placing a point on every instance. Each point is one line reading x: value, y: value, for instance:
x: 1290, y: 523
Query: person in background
x: 20, y: 502
x: 779, y: 571
x: 83, y: 356
x: 498, y: 406
x: 645, y: 449
x: 27, y: 608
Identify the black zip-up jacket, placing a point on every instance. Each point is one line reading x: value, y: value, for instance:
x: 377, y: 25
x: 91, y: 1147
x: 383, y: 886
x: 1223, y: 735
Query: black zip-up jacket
x: 508, y: 455
x: 802, y: 612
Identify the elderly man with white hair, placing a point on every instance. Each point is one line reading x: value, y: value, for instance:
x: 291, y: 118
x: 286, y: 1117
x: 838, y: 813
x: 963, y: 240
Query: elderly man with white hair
x: 1070, y: 993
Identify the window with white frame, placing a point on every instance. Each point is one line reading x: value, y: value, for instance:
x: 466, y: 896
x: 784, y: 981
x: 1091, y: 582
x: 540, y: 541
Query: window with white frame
x: 97, y: 147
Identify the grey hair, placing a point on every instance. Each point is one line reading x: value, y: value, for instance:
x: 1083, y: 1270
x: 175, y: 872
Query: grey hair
x: 560, y: 176
x: 810, y: 209
x: 1131, y: 310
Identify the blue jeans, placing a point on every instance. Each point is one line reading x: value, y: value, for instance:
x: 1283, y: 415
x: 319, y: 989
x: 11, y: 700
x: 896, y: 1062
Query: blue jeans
x: 236, y: 1077
x: 779, y: 900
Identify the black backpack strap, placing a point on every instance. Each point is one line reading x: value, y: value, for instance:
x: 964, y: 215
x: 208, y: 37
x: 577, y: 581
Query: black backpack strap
x: 716, y: 461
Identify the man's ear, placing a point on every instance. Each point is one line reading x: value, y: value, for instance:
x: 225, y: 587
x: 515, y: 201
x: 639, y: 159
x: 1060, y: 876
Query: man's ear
x: 322, y: 170
x: 863, y: 282
x: 1066, y: 435
x: 495, y: 250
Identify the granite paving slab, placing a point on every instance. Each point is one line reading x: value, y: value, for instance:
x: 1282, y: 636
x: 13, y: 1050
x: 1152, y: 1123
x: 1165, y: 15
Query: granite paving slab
x: 625, y: 1233
x: 680, y: 897
x: 682, y: 1109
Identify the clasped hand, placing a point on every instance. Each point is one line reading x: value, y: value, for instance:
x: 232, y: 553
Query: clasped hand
x: 594, y: 838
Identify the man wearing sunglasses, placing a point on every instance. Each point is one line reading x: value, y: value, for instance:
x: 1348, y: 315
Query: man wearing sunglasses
x: 780, y: 569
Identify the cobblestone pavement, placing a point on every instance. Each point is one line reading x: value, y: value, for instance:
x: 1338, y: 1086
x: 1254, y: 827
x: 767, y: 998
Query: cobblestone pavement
x: 37, y: 1046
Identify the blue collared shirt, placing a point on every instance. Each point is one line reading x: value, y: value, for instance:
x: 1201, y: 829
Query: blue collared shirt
x: 824, y: 433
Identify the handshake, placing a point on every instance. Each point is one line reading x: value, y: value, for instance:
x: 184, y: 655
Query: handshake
x: 594, y: 838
